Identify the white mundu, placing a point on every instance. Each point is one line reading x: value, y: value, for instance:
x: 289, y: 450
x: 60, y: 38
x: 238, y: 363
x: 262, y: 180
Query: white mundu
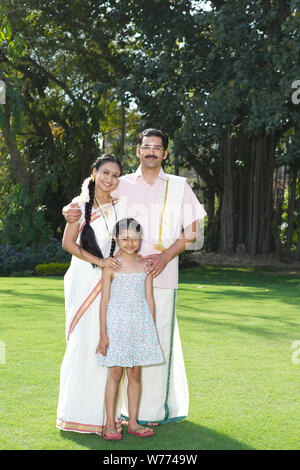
x: 165, y: 395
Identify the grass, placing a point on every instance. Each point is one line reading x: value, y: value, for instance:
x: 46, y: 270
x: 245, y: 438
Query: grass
x: 237, y: 327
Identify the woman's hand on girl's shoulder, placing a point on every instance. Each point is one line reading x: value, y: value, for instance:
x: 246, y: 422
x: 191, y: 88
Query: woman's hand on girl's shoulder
x: 111, y: 263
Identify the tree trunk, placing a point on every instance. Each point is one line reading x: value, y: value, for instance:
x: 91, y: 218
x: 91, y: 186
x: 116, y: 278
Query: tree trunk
x: 260, y: 239
x: 279, y: 188
x: 227, y: 207
x: 291, y: 209
x: 122, y: 132
x: 241, y: 190
x: 211, y: 240
x: 17, y: 165
x: 298, y: 221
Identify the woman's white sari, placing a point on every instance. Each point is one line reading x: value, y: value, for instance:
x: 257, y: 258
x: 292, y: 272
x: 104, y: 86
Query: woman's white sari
x: 81, y: 404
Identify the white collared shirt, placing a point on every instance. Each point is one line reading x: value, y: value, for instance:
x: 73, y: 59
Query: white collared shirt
x: 143, y: 202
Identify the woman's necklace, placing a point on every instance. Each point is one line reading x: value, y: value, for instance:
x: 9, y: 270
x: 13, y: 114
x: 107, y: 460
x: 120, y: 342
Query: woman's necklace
x: 105, y: 214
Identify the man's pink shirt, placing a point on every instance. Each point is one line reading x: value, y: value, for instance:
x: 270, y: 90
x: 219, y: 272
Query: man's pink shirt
x: 139, y: 197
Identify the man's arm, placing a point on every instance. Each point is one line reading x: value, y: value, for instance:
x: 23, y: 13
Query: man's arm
x: 157, y: 262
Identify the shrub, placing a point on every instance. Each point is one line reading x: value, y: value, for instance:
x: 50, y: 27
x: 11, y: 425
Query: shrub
x: 52, y: 269
x: 19, y: 258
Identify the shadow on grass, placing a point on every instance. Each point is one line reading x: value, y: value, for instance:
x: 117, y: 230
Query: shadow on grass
x: 284, y: 288
x: 173, y: 436
x: 45, y: 298
x: 221, y: 275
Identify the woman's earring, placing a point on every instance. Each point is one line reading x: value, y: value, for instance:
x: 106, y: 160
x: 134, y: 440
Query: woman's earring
x: 93, y: 177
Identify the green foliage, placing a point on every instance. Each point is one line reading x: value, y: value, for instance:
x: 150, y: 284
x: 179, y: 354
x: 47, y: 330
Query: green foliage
x: 52, y: 269
x: 23, y: 223
x: 22, y: 259
x: 89, y: 67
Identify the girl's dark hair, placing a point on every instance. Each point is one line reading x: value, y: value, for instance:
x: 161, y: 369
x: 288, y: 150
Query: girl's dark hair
x: 87, y: 238
x: 127, y: 224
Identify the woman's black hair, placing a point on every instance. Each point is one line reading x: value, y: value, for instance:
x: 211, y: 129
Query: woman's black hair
x: 87, y: 238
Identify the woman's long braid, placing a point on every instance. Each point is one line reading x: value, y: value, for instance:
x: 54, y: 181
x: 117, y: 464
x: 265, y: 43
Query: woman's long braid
x: 88, y: 239
x: 89, y: 205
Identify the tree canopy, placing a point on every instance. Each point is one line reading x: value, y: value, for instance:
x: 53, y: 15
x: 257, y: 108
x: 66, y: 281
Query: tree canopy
x: 85, y: 77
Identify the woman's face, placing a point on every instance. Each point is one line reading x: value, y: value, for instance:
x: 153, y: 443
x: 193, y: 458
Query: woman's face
x: 107, y: 176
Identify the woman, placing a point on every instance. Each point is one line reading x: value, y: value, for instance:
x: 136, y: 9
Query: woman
x: 81, y: 404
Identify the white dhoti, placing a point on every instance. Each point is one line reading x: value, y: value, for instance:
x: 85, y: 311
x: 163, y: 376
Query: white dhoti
x: 164, y: 396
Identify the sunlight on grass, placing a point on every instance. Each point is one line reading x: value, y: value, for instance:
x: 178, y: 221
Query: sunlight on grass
x: 237, y: 328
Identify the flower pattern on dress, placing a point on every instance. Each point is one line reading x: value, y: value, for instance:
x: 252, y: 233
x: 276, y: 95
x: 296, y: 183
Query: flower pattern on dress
x: 130, y: 327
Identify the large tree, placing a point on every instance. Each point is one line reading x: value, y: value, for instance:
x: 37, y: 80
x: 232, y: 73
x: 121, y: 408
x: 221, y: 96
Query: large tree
x: 61, y: 63
x: 222, y: 79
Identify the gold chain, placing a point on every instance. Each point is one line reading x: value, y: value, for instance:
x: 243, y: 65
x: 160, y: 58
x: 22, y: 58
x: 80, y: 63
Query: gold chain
x: 103, y: 213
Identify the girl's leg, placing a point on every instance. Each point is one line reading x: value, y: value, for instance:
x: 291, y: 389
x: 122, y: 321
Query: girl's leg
x: 134, y: 393
x: 111, y: 393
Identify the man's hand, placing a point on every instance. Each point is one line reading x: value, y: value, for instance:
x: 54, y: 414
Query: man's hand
x: 72, y: 212
x: 155, y: 264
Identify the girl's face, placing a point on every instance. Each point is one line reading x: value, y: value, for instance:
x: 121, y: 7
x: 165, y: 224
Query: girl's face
x: 129, y: 241
x: 107, y: 177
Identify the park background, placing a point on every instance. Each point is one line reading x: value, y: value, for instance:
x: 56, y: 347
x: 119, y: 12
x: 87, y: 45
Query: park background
x: 222, y: 78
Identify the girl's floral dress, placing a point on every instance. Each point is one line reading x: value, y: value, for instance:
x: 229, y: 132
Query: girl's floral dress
x: 130, y: 327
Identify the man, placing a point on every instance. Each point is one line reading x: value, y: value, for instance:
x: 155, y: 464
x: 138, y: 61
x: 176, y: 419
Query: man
x: 163, y: 204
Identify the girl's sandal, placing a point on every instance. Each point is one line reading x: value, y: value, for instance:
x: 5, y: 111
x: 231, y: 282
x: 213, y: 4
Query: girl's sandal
x: 146, y: 432
x: 119, y: 427
x: 112, y: 435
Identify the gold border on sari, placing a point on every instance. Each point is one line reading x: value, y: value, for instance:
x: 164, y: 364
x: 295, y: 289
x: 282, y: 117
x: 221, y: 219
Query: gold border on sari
x: 83, y: 308
x: 93, y: 295
x: 94, y: 216
x: 78, y: 427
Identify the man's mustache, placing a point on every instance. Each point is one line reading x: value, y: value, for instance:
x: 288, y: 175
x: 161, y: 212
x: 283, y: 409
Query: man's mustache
x: 151, y: 156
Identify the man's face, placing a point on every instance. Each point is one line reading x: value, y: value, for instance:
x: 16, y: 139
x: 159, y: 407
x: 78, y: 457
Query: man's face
x: 151, y: 152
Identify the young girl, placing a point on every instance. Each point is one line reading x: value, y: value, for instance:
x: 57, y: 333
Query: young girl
x: 127, y: 332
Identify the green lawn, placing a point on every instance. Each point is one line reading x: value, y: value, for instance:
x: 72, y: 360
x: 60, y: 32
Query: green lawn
x: 237, y: 328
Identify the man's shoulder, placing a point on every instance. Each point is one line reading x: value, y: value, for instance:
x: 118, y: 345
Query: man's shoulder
x: 175, y: 178
x: 177, y: 181
x: 126, y: 184
x: 128, y: 177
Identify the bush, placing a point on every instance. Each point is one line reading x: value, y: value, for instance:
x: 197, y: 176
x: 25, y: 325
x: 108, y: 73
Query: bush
x: 18, y: 258
x: 52, y: 269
